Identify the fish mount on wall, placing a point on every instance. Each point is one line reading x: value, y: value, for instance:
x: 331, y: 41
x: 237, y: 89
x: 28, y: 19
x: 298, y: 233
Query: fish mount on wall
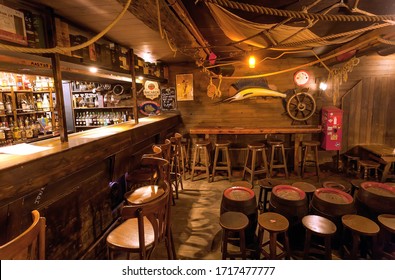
x: 250, y: 88
x: 299, y: 105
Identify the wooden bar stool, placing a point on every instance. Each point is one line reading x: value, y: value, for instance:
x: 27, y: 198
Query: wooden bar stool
x: 368, y: 166
x: 222, y: 146
x: 274, y: 224
x: 360, y: 227
x: 233, y: 223
x: 277, y: 157
x: 351, y: 164
x: 387, y: 225
x: 308, y: 188
x: 201, y: 147
x: 312, y: 147
x: 175, y: 163
x: 318, y: 226
x: 253, y: 163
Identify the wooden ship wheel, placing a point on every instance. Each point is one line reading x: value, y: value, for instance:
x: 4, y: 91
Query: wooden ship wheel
x: 301, y: 106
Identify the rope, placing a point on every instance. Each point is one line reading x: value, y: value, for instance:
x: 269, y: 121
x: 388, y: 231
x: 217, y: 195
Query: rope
x: 296, y: 14
x: 300, y: 66
x: 333, y: 36
x: 73, y: 48
x: 385, y: 41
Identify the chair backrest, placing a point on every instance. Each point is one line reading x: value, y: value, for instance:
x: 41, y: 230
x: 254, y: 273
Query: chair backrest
x: 159, y: 166
x: 166, y: 149
x: 29, y: 245
x: 156, y: 212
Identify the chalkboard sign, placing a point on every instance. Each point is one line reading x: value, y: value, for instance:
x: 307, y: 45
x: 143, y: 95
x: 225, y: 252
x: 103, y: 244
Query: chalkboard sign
x: 168, y: 99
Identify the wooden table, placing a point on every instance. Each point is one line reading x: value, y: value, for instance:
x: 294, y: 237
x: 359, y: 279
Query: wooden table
x: 297, y: 130
x: 383, y: 154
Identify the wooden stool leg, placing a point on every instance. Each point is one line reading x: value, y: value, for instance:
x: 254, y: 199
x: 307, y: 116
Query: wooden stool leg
x: 242, y: 244
x: 253, y: 166
x: 215, y: 161
x: 207, y: 160
x: 228, y: 163
x: 355, y: 246
x: 224, y: 244
x: 273, y: 245
x: 286, y: 246
x: 307, y: 244
x: 328, y: 249
x: 194, y: 162
x: 317, y: 166
x: 265, y: 164
x: 271, y: 161
x: 284, y: 161
x: 246, y: 163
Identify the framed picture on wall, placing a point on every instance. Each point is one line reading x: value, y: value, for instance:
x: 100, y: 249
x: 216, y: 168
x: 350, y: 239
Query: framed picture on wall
x: 184, y: 83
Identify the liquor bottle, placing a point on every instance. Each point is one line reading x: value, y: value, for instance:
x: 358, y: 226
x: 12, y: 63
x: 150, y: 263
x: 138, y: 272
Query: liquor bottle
x: 2, y: 108
x: 16, y: 133
x: 22, y: 130
x: 3, y: 141
x: 45, y: 103
x: 28, y: 129
x: 39, y: 103
x: 8, y: 106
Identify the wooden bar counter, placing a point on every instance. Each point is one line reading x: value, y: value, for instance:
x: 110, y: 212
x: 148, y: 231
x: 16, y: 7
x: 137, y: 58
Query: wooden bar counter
x: 72, y: 183
x: 298, y: 131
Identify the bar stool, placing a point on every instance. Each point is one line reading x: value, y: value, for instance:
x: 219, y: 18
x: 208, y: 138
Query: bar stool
x: 360, y: 227
x: 182, y: 154
x: 197, y: 164
x: 233, y: 223
x: 253, y: 163
x: 277, y: 154
x: 367, y: 166
x: 318, y: 226
x: 308, y: 188
x: 175, y: 163
x: 351, y: 164
x: 312, y: 147
x: 275, y: 224
x: 387, y: 225
x: 222, y: 146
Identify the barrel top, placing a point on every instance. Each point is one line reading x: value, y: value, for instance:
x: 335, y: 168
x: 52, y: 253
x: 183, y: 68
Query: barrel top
x: 239, y: 193
x: 335, y: 185
x: 334, y: 196
x: 289, y: 192
x: 379, y: 189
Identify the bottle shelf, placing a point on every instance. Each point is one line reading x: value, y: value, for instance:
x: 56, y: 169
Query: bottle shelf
x: 103, y: 108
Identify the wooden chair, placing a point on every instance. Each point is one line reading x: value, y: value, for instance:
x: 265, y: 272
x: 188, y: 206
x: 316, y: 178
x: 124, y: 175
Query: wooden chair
x: 143, y: 227
x: 30, y: 245
x: 176, y: 161
x: 144, y: 174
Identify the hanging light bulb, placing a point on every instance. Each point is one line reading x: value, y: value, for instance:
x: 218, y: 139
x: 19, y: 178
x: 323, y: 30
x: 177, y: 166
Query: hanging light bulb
x: 251, y: 61
x: 323, y: 86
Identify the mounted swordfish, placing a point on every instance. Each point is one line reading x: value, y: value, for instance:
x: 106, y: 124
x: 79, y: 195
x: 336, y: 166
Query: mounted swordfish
x: 249, y: 88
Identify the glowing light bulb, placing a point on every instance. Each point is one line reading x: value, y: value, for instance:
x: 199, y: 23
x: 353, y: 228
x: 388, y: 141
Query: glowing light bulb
x: 323, y: 86
x: 251, y: 61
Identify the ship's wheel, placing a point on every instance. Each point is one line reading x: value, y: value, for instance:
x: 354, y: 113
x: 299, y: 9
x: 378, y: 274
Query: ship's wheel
x: 301, y: 106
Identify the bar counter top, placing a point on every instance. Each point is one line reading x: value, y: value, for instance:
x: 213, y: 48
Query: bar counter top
x: 16, y: 155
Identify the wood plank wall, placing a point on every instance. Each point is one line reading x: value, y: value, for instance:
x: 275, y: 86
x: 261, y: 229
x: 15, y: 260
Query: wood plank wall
x: 370, y: 100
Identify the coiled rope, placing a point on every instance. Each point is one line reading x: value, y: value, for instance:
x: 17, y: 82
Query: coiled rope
x: 297, y: 14
x: 73, y: 48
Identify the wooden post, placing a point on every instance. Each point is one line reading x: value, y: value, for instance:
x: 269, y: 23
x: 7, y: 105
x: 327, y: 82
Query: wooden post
x: 57, y: 76
x: 134, y: 89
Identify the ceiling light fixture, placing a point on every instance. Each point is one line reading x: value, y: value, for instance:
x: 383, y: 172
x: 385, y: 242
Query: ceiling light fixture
x: 323, y: 86
x: 251, y: 61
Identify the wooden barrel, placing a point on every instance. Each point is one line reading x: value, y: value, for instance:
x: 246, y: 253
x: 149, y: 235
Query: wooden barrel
x: 289, y: 201
x: 332, y: 202
x: 378, y: 198
x: 242, y: 199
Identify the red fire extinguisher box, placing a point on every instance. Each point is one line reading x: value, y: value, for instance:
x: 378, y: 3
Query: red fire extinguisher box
x: 332, y: 122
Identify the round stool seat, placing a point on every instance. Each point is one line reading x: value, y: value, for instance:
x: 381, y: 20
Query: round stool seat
x: 319, y: 225
x: 202, y: 143
x: 369, y: 163
x: 306, y: 187
x: 336, y: 185
x: 256, y: 145
x: 273, y: 222
x: 233, y: 221
x: 351, y: 157
x: 275, y: 142
x: 222, y: 143
x: 144, y: 194
x: 311, y: 143
x: 244, y: 184
x: 387, y: 221
x: 360, y: 224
